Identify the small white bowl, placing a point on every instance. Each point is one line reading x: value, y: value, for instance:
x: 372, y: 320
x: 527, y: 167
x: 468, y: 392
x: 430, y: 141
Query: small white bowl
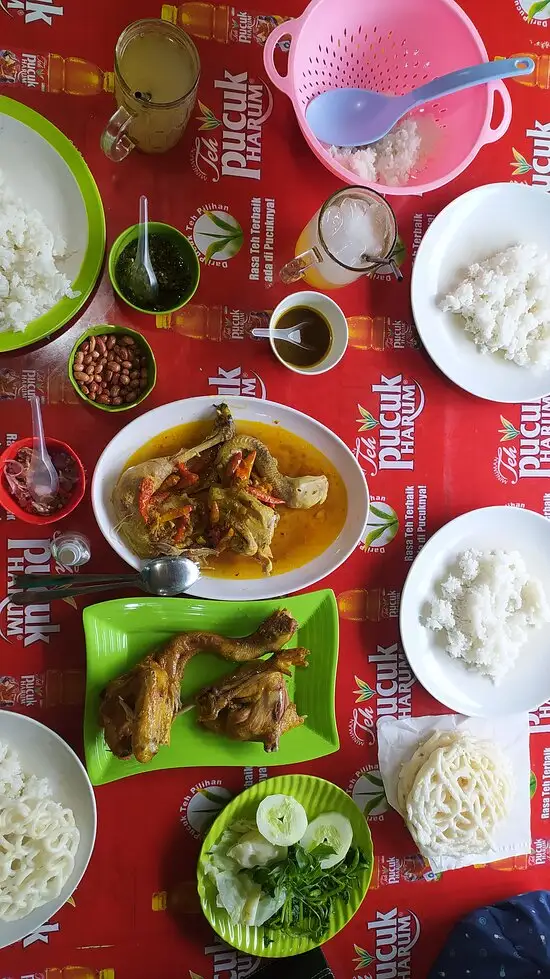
x: 335, y: 318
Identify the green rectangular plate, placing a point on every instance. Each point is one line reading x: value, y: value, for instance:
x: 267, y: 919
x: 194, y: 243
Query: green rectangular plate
x: 120, y: 633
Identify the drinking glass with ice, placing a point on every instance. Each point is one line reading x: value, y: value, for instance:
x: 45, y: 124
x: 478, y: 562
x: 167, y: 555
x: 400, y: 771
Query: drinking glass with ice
x: 353, y: 233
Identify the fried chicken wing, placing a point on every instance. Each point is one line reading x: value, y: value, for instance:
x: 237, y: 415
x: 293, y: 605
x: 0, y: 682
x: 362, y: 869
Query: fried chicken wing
x: 252, y: 704
x: 137, y: 708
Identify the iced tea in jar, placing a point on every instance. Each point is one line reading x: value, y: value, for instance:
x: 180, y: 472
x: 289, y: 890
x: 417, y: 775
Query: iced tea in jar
x: 157, y: 71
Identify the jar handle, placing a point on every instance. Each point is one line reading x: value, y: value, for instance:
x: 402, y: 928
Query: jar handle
x: 294, y: 270
x: 114, y: 141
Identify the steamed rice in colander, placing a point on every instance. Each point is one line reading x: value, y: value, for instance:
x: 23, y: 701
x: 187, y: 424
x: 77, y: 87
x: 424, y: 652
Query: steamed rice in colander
x: 389, y: 160
x: 30, y: 282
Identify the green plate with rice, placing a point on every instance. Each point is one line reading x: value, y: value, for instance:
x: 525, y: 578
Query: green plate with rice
x: 42, y: 168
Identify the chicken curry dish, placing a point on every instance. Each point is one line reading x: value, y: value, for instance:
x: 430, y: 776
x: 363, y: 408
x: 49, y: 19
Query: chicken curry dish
x: 250, y: 704
x: 216, y: 494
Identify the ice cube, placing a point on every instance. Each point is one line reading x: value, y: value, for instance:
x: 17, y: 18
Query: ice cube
x: 354, y: 229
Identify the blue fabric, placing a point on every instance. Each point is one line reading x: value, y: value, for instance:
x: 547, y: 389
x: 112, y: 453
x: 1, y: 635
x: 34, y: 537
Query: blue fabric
x: 510, y: 940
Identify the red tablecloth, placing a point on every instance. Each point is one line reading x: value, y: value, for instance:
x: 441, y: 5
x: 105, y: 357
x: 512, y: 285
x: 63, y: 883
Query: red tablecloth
x: 136, y: 912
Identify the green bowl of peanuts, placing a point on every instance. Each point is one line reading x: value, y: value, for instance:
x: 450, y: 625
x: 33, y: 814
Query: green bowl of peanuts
x: 112, y: 368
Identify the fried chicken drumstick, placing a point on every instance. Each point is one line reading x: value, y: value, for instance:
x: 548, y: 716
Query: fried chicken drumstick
x: 252, y: 704
x: 137, y: 708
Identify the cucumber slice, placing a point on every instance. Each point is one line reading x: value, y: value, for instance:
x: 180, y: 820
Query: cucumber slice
x: 329, y: 829
x: 281, y: 820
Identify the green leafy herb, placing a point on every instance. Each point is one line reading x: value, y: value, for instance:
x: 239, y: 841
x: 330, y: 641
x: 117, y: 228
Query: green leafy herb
x: 537, y: 8
x: 373, y: 803
x: 309, y: 891
x: 220, y: 223
x: 375, y: 534
x: 386, y: 517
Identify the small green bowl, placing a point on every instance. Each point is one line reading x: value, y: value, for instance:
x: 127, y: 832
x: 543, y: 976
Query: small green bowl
x: 186, y: 250
x: 144, y: 347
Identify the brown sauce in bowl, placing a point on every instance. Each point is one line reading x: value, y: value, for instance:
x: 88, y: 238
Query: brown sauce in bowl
x: 315, y: 334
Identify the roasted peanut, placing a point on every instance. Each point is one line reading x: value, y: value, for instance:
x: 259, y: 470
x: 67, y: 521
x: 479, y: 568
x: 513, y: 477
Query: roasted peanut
x: 111, y: 370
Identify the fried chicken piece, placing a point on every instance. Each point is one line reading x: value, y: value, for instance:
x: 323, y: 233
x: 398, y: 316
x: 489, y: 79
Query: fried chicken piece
x: 136, y: 713
x: 252, y: 704
x: 137, y: 708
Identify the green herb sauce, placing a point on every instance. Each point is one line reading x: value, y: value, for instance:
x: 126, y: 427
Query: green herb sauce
x: 170, y: 267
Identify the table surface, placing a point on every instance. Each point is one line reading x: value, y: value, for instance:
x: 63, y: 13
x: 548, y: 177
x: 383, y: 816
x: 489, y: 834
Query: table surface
x: 135, y: 911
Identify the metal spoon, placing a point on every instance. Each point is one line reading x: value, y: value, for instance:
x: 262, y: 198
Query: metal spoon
x: 43, y: 480
x: 163, y: 576
x: 358, y: 117
x: 290, y: 333
x: 143, y: 280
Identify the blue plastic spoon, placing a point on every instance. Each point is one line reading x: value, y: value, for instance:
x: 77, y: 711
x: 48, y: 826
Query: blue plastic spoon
x: 357, y: 117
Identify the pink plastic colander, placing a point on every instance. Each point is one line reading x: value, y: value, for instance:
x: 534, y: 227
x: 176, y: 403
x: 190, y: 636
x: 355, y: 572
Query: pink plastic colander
x: 392, y: 46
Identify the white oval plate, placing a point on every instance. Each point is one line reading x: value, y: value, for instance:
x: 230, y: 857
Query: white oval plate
x: 471, y: 228
x: 43, y: 167
x: 43, y: 753
x: 527, y: 685
x: 146, y: 427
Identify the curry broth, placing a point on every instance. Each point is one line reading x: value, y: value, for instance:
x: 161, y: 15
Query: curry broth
x: 301, y: 535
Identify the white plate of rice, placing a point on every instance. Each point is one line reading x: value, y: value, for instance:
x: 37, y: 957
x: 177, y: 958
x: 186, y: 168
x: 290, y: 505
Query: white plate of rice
x: 525, y: 684
x: 485, y: 255
x: 61, y: 820
x: 52, y: 227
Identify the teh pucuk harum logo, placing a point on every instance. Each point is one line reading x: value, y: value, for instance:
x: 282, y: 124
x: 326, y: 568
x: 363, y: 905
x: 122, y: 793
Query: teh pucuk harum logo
x: 33, y: 10
x: 396, y: 933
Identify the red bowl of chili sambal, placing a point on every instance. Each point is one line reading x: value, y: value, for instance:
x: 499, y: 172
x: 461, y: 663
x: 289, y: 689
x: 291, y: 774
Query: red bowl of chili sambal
x: 14, y: 497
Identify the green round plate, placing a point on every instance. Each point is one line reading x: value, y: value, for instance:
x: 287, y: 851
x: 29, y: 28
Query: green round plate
x: 43, y: 167
x: 317, y: 796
